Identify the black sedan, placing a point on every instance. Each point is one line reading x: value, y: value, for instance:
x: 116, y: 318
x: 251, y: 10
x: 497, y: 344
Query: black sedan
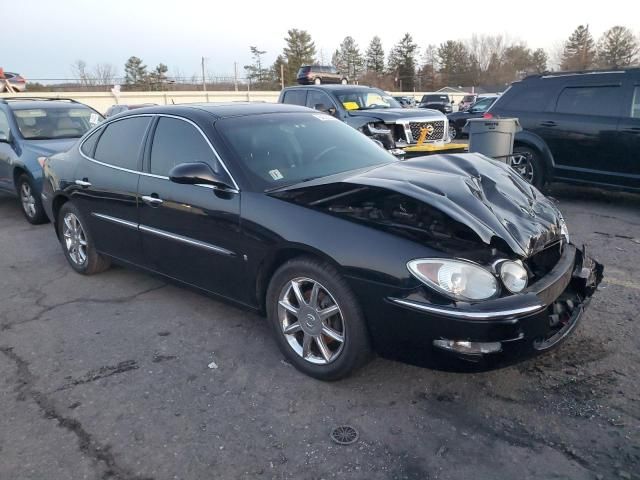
x: 347, y: 250
x: 458, y: 120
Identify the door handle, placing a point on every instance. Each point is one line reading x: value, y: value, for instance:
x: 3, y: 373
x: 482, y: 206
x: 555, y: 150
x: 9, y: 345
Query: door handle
x: 550, y: 123
x: 151, y: 200
x: 83, y: 183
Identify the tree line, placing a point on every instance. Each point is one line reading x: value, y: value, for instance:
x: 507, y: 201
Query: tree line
x: 492, y: 61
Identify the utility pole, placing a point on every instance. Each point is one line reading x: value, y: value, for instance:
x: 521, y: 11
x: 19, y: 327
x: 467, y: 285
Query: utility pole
x: 235, y: 75
x: 282, y: 75
x: 204, y: 80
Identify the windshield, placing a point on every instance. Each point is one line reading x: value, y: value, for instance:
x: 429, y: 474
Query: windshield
x: 435, y: 98
x: 53, y: 123
x: 366, y: 99
x: 482, y: 105
x: 285, y: 148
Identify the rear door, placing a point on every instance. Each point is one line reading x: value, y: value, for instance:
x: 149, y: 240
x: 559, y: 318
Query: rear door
x: 295, y: 96
x: 189, y: 232
x: 7, y: 154
x: 107, y: 183
x: 582, y: 132
x: 627, y: 156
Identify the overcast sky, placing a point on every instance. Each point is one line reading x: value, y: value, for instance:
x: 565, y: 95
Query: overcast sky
x: 42, y: 38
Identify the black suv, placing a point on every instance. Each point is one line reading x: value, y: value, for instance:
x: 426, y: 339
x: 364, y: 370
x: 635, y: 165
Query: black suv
x: 318, y: 74
x: 579, y: 127
x: 436, y: 101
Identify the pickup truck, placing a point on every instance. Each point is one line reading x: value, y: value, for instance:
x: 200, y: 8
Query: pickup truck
x: 376, y: 114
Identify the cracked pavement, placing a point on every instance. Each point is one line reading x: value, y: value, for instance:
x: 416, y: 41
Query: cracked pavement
x: 107, y: 377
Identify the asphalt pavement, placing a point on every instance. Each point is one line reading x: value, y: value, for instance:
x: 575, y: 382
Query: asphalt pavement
x: 123, y: 376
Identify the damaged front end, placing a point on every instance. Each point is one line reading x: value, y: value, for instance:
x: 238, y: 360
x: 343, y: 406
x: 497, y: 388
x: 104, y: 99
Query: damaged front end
x: 479, y: 214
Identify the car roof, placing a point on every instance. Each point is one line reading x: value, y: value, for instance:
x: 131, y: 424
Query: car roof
x: 43, y: 104
x: 634, y: 72
x: 332, y: 87
x: 220, y: 110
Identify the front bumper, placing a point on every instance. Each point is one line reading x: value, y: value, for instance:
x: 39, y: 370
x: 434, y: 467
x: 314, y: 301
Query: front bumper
x: 533, y: 321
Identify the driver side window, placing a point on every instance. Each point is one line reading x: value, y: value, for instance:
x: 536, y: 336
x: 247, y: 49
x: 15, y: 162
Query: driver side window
x: 4, y: 123
x: 316, y: 97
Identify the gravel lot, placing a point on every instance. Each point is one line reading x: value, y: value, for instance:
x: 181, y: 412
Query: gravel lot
x: 111, y: 377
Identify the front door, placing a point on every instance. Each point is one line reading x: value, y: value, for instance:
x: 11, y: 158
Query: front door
x: 7, y: 154
x: 189, y: 232
x: 107, y: 184
x: 628, y: 153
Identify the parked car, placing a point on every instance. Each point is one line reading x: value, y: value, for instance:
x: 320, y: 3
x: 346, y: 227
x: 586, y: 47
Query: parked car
x: 439, y: 101
x: 318, y: 74
x: 467, y: 101
x: 373, y: 112
x: 405, y: 102
x: 290, y: 212
x: 16, y: 82
x: 31, y: 128
x: 119, y: 108
x: 457, y: 120
x: 579, y: 127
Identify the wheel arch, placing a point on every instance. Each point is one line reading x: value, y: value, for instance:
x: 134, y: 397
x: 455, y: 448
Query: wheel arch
x: 533, y: 141
x: 56, y: 205
x: 18, y: 171
x: 279, y: 257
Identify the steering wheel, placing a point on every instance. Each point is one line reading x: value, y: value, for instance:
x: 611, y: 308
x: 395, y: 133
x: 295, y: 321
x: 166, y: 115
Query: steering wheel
x: 323, y: 153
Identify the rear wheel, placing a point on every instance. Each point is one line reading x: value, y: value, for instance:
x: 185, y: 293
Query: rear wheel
x: 316, y: 319
x: 30, y: 201
x: 317, y: 81
x: 344, y: 81
x: 77, y: 242
x: 528, y: 163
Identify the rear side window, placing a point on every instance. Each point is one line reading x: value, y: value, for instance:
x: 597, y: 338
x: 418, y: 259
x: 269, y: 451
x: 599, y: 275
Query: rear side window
x: 635, y: 106
x: 603, y: 101
x: 89, y: 145
x: 295, y: 97
x: 527, y: 99
x: 175, y: 142
x: 121, y: 141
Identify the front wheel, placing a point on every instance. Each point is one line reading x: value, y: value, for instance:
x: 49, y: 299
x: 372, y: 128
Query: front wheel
x: 344, y: 81
x: 30, y: 201
x: 77, y: 243
x: 453, y: 132
x: 317, y: 81
x: 316, y: 319
x: 528, y: 163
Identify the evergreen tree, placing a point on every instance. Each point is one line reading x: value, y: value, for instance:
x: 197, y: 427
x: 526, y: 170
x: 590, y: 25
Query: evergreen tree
x: 402, y: 62
x: 279, y: 65
x: 299, y: 50
x: 579, y: 51
x: 455, y: 62
x: 347, y: 59
x: 255, y: 72
x: 135, y: 71
x: 539, y: 61
x: 158, y: 76
x: 374, y: 57
x: 617, y: 48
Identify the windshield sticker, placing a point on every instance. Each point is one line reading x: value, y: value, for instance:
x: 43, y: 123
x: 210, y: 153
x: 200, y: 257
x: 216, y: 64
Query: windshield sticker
x: 275, y: 174
x: 93, y: 119
x: 324, y: 117
x: 350, y: 105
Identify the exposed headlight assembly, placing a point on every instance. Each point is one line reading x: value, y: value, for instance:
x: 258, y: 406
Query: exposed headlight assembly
x: 458, y: 279
x: 564, y: 231
x: 378, y: 129
x: 514, y: 276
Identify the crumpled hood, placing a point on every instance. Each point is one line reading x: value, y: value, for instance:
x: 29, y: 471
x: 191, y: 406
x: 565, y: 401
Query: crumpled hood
x: 487, y: 196
x: 49, y: 147
x: 393, y: 115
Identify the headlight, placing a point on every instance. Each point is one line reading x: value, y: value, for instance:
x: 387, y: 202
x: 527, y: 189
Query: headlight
x: 564, y: 231
x: 377, y: 129
x: 458, y: 279
x: 514, y: 276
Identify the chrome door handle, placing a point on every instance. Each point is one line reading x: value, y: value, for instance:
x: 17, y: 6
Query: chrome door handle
x: 153, y: 201
x: 550, y: 123
x: 83, y: 183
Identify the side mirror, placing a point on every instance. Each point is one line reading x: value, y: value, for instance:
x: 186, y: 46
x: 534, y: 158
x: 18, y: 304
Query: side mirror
x: 323, y: 108
x: 198, y: 173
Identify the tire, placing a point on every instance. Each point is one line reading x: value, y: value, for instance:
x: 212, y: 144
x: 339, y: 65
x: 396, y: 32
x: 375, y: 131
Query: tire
x: 454, y: 132
x: 85, y: 259
x: 30, y: 201
x: 317, y: 81
x: 530, y: 168
x: 344, y: 81
x: 345, y: 348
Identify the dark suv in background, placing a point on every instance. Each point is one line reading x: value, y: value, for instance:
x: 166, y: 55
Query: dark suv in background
x: 439, y: 101
x: 579, y: 127
x: 318, y: 74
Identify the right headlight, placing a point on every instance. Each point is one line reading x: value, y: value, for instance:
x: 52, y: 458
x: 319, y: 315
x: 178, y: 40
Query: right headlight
x: 458, y: 279
x: 514, y: 276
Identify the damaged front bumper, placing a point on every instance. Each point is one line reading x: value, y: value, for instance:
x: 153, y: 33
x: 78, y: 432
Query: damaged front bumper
x: 534, y: 320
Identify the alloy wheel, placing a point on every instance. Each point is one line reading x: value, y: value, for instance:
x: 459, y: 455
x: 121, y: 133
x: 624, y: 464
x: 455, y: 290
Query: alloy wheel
x: 521, y: 163
x: 28, y: 200
x: 311, y: 321
x: 75, y: 240
x: 452, y: 132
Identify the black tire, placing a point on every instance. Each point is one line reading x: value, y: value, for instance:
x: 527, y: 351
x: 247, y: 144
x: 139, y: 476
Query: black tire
x: 344, y: 81
x: 317, y: 81
x: 93, y: 262
x: 454, y: 132
x: 348, y: 355
x: 538, y: 174
x: 30, y: 201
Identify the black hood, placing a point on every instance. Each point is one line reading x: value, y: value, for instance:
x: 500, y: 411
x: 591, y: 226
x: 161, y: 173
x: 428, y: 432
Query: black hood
x: 485, y: 195
x: 393, y: 115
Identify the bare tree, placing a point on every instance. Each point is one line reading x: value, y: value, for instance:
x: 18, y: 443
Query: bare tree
x: 81, y: 72
x: 104, y: 73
